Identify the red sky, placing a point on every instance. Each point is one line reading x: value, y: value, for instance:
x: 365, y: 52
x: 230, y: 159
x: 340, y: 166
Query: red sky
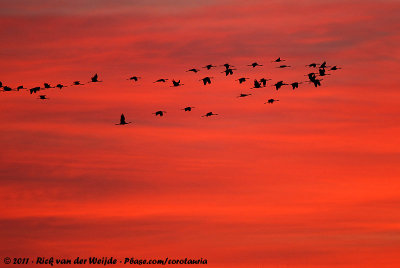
x: 310, y: 181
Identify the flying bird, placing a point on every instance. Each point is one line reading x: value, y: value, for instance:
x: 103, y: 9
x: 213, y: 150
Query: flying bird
x: 323, y: 65
x: 163, y: 80
x: 312, y: 65
x: 255, y: 64
x: 77, y: 83
x: 257, y: 84
x: 95, y: 79
x: 312, y: 77
x: 317, y: 82
x: 279, y: 84
x: 160, y: 113
x: 134, y: 78
x: 176, y: 83
x: 334, y: 68
x: 209, y: 66
x: 295, y: 85
x: 270, y: 101
x: 322, y: 72
x: 228, y: 71
x: 206, y: 80
x: 263, y: 81
x: 46, y: 85
x: 188, y: 109
x: 242, y: 80
x: 20, y: 87
x: 193, y: 70
x: 242, y: 95
x: 42, y: 97
x: 34, y: 90
x: 6, y: 88
x: 278, y: 60
x: 60, y: 86
x: 208, y: 114
x: 122, y: 120
x: 284, y: 66
x: 227, y: 65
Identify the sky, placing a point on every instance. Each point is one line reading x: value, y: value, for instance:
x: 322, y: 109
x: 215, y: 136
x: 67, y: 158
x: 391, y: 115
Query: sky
x: 309, y: 181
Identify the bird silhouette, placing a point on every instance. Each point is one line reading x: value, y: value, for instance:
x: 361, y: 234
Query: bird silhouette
x: 255, y: 64
x: 263, y: 81
x: 322, y: 72
x: 317, y: 82
x: 95, y: 79
x: 312, y: 77
x: 209, y: 66
x: 228, y: 71
x: 323, y: 65
x: 46, y: 86
x: 227, y: 65
x: 77, y: 83
x: 34, y: 90
x: 122, y: 120
x: 188, y: 109
x: 176, y: 83
x: 193, y: 70
x: 208, y: 114
x: 206, y: 80
x: 270, y: 101
x: 242, y: 95
x: 163, y: 80
x: 334, y: 68
x: 43, y: 97
x: 242, y: 80
x: 284, y: 66
x: 6, y: 88
x: 60, y: 86
x: 312, y: 65
x: 278, y: 60
x: 295, y: 85
x: 279, y: 84
x: 160, y: 113
x: 257, y: 84
x: 134, y: 78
